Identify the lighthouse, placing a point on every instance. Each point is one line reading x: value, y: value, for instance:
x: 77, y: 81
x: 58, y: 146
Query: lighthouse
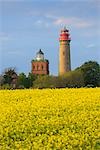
x: 40, y: 65
x: 64, y: 52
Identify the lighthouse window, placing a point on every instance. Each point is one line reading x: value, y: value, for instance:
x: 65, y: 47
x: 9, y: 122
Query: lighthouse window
x: 33, y: 67
x: 63, y: 53
x: 42, y: 67
x: 37, y: 67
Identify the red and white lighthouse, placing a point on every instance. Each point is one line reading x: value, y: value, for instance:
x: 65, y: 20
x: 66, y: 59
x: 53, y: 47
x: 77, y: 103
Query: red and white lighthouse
x: 64, y: 52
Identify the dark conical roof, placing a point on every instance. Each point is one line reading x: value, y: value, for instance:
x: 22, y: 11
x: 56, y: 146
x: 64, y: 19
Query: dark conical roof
x: 64, y: 29
x: 40, y: 52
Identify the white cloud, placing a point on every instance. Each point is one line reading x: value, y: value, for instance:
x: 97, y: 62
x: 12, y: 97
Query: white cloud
x: 59, y: 21
x: 39, y: 22
x: 91, y: 45
x: 51, y: 16
x: 73, y: 21
x: 42, y: 23
x: 70, y: 21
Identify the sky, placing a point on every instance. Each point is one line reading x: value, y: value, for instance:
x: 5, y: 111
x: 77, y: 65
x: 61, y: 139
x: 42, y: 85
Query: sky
x: 28, y: 25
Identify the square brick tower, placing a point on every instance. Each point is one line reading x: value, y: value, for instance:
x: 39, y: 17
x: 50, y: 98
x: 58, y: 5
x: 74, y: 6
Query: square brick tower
x: 40, y: 65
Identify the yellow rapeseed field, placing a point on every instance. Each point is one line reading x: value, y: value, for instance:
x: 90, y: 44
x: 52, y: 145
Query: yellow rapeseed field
x: 50, y: 119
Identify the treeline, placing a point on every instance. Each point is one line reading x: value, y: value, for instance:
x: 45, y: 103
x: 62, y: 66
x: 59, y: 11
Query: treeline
x: 87, y: 75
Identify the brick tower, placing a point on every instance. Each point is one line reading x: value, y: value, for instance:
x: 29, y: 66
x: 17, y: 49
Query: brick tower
x: 40, y: 65
x: 64, y: 52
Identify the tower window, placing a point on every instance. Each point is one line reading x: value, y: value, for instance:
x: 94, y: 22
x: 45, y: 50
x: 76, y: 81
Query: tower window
x: 42, y: 67
x: 63, y: 53
x: 33, y: 67
x: 37, y: 67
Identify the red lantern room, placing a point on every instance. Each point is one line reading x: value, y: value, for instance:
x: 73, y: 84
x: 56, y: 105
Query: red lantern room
x: 65, y: 36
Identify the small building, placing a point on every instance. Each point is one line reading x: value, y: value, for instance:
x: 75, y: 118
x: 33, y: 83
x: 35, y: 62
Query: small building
x: 40, y: 65
x: 14, y: 80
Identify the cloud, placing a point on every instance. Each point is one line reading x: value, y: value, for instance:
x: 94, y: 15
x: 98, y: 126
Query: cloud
x: 73, y: 21
x: 49, y: 19
x: 52, y: 20
x: 70, y: 21
x: 42, y: 23
x: 51, y: 16
x: 91, y: 45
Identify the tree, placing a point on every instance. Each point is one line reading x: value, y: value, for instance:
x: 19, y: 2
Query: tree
x: 43, y: 81
x: 22, y: 80
x: 91, y: 73
x: 73, y: 79
x: 10, y: 77
x: 46, y: 81
x: 1, y: 80
x: 31, y: 79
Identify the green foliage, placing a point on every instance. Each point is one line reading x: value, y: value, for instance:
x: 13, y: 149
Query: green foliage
x: 9, y: 77
x: 74, y: 79
x: 5, y: 86
x: 31, y: 79
x: 70, y: 79
x: 87, y: 75
x: 43, y: 81
x: 24, y: 81
x: 91, y: 73
x: 1, y: 80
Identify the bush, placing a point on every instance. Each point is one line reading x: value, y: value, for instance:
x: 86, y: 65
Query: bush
x: 91, y: 73
x: 5, y: 86
x: 70, y: 79
x: 73, y: 79
x: 43, y: 81
x: 21, y: 87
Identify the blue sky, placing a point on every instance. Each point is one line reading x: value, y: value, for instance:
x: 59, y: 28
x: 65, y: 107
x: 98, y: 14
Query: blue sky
x: 28, y: 25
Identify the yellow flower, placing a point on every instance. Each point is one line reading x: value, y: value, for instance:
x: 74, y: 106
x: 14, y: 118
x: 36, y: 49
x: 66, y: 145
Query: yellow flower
x: 50, y: 119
